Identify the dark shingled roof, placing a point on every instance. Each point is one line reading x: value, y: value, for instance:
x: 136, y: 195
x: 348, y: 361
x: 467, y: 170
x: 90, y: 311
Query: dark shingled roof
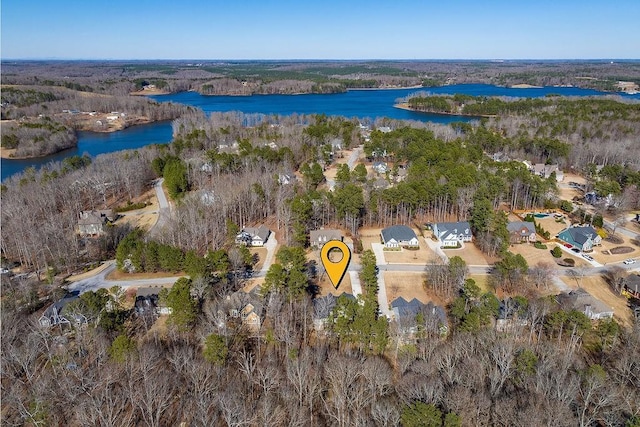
x: 400, y: 233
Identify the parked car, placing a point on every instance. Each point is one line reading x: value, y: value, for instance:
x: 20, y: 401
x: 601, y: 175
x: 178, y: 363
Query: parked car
x: 629, y: 261
x: 576, y: 250
x: 587, y: 257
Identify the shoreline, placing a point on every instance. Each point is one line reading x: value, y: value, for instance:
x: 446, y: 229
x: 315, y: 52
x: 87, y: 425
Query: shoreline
x: 405, y: 106
x: 524, y: 86
x: 149, y: 92
x: 387, y: 88
x: 8, y: 153
x: 313, y: 93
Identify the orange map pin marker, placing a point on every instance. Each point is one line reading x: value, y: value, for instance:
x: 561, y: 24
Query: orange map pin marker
x: 335, y: 269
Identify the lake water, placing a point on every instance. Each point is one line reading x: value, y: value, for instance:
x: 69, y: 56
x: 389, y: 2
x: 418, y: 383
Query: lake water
x: 355, y: 103
x: 93, y: 143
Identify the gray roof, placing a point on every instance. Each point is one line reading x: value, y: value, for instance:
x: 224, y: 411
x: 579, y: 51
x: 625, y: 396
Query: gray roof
x: 453, y: 228
x: 583, y: 301
x: 380, y: 184
x: 324, y: 235
x: 578, y: 235
x: 262, y: 232
x: 518, y: 226
x: 61, y: 303
x: 148, y: 291
x: 400, y: 233
x: 633, y: 282
x: 240, y: 299
x: 96, y: 217
x: 322, y: 307
x: 409, y: 309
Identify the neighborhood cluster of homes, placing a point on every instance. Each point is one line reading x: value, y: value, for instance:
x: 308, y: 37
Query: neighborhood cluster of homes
x: 540, y: 169
x: 455, y: 234
x: 247, y: 309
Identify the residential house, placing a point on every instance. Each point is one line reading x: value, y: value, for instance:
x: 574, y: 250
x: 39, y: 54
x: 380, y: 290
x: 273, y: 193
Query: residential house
x: 322, y: 308
x: 632, y: 286
x: 400, y: 172
x: 499, y: 157
x: 452, y: 234
x: 317, y: 238
x: 511, y: 315
x: 384, y: 129
x: 583, y: 238
x: 286, y: 178
x: 148, y: 302
x: 55, y: 315
x: 582, y: 301
x: 521, y: 232
x: 398, y: 236
x: 206, y: 167
x: 336, y: 145
x: 380, y: 167
x: 247, y: 308
x: 405, y: 314
x: 92, y: 223
x: 545, y: 171
x: 253, y: 236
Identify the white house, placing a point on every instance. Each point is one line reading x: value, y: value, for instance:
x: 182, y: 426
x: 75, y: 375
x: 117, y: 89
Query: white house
x: 398, y: 236
x: 380, y: 167
x: 452, y: 234
x: 545, y: 171
x: 253, y: 236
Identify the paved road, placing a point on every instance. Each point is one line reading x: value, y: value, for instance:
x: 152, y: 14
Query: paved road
x: 622, y: 230
x: 100, y: 281
x: 351, y: 162
x: 356, y: 287
x: 355, y: 155
x: 383, y: 301
x: 435, y: 247
x: 164, y: 209
x: 270, y: 246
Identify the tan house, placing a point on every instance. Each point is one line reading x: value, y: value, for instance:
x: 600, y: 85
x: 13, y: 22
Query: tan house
x: 247, y: 308
x: 317, y: 238
x: 521, y: 232
x: 92, y: 223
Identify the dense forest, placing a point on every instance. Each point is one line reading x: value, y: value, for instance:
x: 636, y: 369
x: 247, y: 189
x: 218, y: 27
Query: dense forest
x: 249, y: 77
x: 571, y: 131
x: 42, y: 120
x: 201, y: 365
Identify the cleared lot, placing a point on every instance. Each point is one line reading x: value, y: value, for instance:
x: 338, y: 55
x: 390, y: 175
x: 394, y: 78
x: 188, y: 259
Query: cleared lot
x: 143, y: 218
x: 470, y: 254
x: 408, y: 286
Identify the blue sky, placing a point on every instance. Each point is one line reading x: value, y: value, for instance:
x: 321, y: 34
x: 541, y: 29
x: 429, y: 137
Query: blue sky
x: 329, y: 29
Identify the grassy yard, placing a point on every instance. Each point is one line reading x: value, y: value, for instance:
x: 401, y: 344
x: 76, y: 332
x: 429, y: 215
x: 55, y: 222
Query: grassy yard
x: 408, y: 286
